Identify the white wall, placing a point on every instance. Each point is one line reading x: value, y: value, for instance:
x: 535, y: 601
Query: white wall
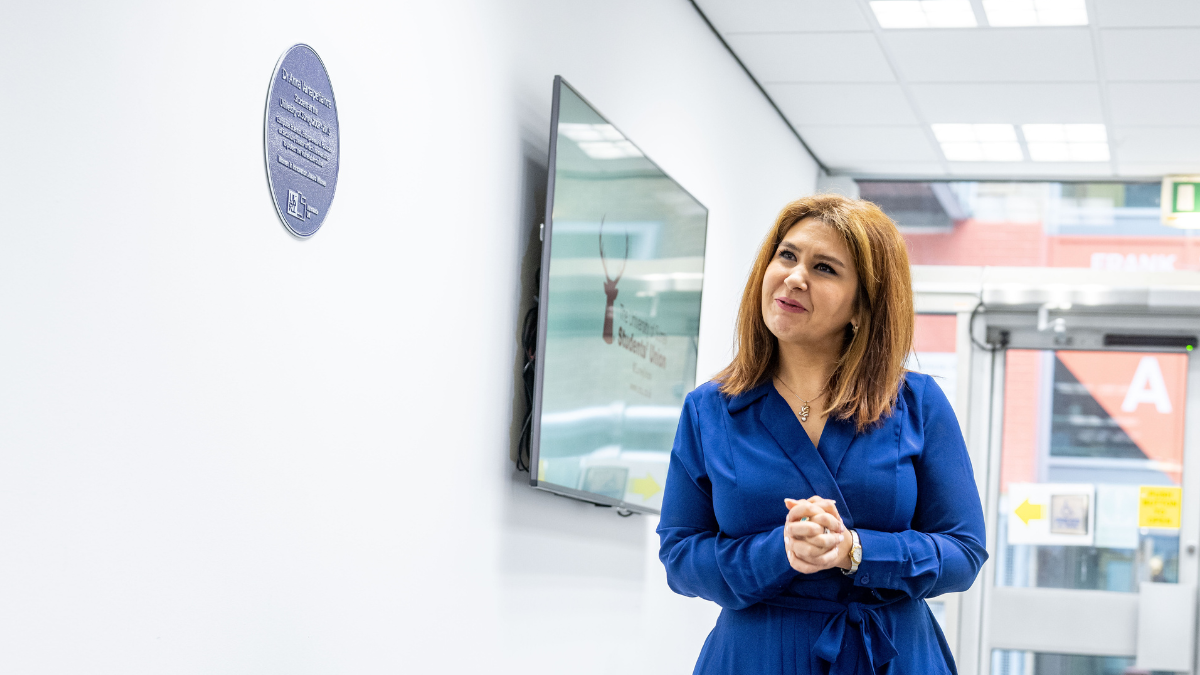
x: 224, y: 450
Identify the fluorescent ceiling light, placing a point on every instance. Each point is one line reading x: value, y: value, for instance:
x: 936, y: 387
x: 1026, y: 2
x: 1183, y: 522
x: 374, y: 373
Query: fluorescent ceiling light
x: 599, y: 141
x: 1066, y: 142
x: 1036, y: 12
x: 1065, y: 133
x: 924, y: 13
x: 978, y: 142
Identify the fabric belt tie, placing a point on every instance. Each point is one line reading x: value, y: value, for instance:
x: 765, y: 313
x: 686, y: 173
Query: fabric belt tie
x: 877, y: 642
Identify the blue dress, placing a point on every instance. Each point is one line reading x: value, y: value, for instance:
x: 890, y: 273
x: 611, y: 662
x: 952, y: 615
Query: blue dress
x: 905, y: 485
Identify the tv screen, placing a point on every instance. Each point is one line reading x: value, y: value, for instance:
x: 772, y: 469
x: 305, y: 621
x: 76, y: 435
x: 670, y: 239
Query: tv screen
x: 619, y: 315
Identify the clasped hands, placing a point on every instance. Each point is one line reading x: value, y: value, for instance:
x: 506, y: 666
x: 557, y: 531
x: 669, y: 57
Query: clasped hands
x: 814, y: 536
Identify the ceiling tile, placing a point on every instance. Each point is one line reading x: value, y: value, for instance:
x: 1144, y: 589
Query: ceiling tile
x: 770, y: 16
x: 1151, y: 54
x: 1154, y: 103
x: 1031, y: 103
x: 1146, y: 13
x: 839, y: 146
x: 813, y: 57
x: 1157, y: 144
x: 1030, y: 169
x: 813, y: 103
x: 1156, y: 169
x: 993, y: 55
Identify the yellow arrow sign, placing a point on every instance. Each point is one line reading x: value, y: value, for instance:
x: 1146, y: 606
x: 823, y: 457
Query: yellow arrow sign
x: 646, y: 487
x: 1027, y: 512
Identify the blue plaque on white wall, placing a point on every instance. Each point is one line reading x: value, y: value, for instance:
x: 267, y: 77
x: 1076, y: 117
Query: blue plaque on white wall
x: 301, y: 138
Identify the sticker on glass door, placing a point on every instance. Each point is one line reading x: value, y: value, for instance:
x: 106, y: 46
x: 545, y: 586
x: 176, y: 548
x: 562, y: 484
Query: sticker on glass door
x: 1051, y: 513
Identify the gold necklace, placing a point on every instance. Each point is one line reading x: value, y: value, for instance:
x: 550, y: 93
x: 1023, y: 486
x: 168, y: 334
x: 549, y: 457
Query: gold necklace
x: 803, y: 414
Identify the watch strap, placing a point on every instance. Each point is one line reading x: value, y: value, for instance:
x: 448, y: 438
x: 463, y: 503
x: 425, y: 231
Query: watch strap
x: 855, y: 554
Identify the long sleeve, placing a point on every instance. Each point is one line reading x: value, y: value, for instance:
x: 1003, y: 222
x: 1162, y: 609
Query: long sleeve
x: 944, y: 549
x: 701, y: 561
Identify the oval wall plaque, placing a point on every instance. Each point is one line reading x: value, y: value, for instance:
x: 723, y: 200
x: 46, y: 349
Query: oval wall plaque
x: 301, y: 139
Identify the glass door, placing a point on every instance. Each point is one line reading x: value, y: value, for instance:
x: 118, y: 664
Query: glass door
x: 1090, y: 488
x: 1079, y: 394
x: 1092, y: 570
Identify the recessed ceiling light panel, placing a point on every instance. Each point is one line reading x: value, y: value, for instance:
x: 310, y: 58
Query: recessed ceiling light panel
x: 978, y: 142
x: 1004, y: 13
x: 924, y: 13
x: 1066, y: 142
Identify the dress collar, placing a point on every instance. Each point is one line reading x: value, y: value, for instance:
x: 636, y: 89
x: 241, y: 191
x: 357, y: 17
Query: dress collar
x: 744, y: 399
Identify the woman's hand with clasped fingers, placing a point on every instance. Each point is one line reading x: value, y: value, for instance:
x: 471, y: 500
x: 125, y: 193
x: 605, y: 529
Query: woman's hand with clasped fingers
x: 814, y: 536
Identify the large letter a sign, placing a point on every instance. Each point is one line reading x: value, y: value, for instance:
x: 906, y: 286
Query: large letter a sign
x: 1147, y: 387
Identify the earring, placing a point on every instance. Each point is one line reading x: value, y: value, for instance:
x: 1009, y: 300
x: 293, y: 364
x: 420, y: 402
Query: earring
x: 854, y: 327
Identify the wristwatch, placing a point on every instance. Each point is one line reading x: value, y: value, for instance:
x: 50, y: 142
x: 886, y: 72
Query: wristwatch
x: 855, y: 554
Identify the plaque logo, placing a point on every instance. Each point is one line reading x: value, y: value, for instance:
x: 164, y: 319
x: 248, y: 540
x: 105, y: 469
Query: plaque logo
x: 301, y: 138
x: 298, y: 206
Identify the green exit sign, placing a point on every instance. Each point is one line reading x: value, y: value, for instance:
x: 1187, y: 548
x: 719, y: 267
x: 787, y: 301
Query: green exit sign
x: 1184, y: 200
x: 1181, y: 201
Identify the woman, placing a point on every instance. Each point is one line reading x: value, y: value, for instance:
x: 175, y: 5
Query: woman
x: 817, y: 404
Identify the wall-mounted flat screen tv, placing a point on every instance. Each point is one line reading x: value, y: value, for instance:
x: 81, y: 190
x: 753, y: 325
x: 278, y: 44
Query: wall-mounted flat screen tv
x: 621, y: 278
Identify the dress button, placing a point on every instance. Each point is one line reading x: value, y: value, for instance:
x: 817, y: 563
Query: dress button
x: 866, y: 578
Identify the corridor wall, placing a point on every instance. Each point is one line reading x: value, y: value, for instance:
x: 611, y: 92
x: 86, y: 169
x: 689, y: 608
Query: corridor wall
x: 226, y: 450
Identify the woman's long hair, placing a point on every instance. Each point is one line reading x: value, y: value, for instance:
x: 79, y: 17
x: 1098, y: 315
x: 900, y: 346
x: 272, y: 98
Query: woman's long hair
x: 867, y: 377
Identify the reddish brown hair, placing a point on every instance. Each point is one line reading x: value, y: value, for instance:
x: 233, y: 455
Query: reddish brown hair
x: 867, y: 377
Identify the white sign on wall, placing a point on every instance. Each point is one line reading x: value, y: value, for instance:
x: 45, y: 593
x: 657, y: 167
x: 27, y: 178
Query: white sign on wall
x: 1051, y: 513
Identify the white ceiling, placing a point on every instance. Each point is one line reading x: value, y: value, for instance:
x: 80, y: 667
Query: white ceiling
x: 863, y: 98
